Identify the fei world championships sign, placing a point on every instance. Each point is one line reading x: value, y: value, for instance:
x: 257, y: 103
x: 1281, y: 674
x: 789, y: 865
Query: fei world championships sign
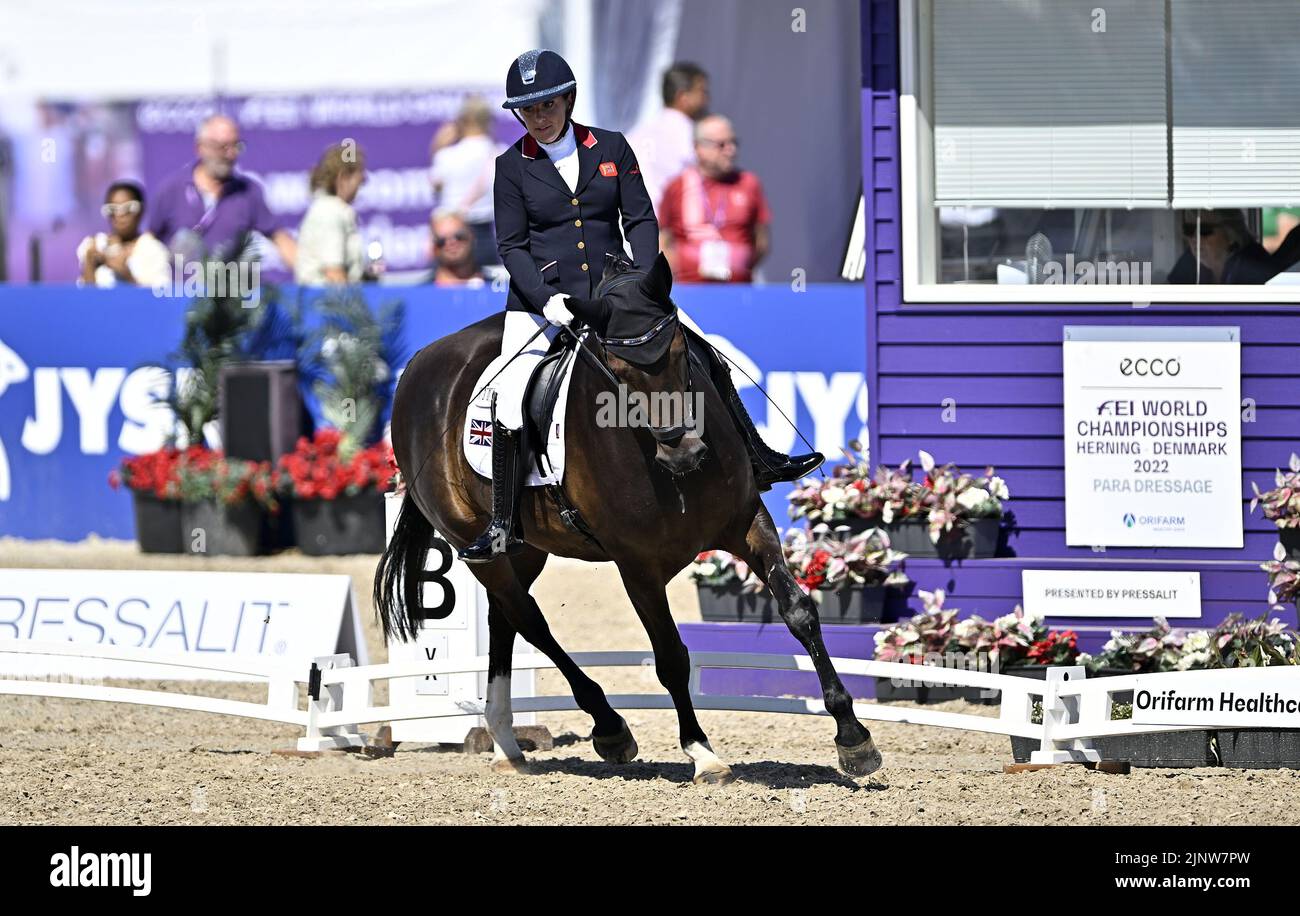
x: 1152, y: 436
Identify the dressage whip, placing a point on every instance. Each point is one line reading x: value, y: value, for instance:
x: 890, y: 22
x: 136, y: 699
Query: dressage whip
x: 798, y: 433
x: 474, y: 397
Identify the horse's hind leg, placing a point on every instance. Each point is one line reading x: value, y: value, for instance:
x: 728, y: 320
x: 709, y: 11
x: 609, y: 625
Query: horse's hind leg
x: 673, y: 665
x: 507, y: 581
x: 762, y: 550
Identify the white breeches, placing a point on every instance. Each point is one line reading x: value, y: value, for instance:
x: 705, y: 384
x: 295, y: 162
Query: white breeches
x: 510, y: 383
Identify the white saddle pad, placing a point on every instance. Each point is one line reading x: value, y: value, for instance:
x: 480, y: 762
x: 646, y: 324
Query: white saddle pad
x: 477, y: 437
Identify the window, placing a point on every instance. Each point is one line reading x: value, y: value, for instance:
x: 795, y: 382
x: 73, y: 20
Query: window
x: 1083, y: 151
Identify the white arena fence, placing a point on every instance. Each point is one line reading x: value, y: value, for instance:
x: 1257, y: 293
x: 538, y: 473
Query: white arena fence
x: 1075, y: 708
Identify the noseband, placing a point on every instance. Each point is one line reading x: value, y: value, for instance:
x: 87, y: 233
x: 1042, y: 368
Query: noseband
x: 666, y: 435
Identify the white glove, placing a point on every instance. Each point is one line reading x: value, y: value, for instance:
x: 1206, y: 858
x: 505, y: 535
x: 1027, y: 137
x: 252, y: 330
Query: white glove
x: 556, y: 312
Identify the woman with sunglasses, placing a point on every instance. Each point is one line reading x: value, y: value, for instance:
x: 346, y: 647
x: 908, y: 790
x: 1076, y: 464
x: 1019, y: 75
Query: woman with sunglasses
x: 124, y: 254
x: 1219, y: 248
x: 566, y: 196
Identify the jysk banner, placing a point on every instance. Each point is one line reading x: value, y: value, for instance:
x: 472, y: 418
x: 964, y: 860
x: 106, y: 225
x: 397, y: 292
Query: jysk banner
x: 1152, y: 436
x: 78, y: 382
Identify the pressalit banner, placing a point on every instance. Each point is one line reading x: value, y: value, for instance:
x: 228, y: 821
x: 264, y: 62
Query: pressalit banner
x: 1152, y: 436
x: 283, y: 616
x: 1231, y: 697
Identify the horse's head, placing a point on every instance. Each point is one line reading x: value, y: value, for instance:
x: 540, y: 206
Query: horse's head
x: 645, y: 349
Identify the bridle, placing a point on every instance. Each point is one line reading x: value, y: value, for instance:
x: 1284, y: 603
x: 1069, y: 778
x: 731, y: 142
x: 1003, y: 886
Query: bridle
x: 666, y: 435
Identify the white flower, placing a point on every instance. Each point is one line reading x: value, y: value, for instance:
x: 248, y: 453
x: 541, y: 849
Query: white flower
x: 887, y: 513
x: 927, y: 460
x: 965, y: 628
x: 1007, y: 622
x: 998, y: 488
x: 972, y: 497
x: 833, y: 496
x: 707, y: 569
x: 1197, y: 641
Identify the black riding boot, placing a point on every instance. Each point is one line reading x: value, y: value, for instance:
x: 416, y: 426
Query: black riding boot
x: 503, y: 534
x: 770, y: 466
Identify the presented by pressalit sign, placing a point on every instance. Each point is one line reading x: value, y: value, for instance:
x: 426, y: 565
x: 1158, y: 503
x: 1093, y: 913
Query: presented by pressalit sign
x: 1238, y: 698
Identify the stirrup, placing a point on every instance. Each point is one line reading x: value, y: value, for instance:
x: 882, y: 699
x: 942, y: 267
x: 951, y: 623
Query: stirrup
x: 503, y: 534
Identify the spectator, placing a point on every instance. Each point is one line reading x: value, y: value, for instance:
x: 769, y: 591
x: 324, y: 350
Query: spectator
x: 714, y: 218
x: 329, y: 243
x: 454, y: 252
x: 1226, y: 251
x: 124, y: 253
x: 208, y: 209
x: 665, y: 143
x: 462, y: 175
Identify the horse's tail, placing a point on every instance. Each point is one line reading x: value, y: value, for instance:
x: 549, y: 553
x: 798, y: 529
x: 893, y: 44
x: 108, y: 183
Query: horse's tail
x: 398, y: 577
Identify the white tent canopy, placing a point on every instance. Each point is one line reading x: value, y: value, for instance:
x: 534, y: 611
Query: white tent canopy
x: 90, y: 50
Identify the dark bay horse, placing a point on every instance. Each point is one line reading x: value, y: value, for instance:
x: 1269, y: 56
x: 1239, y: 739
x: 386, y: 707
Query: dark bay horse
x: 650, y: 502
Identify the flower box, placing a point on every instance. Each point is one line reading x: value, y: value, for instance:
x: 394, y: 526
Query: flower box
x: 731, y: 604
x: 346, y: 525
x: 975, y: 538
x: 1156, y: 749
x: 236, y: 530
x: 1259, y: 748
x: 157, y: 524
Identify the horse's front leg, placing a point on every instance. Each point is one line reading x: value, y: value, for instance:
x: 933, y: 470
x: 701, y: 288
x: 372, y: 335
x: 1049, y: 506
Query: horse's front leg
x: 857, y: 752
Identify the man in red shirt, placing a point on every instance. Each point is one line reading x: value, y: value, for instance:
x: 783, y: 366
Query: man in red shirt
x: 714, y: 218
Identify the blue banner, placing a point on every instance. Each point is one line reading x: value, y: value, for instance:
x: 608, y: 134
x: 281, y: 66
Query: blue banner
x: 79, y: 381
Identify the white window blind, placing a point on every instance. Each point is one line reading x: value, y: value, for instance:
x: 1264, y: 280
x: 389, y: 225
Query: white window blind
x: 1236, y: 117
x: 1035, y: 105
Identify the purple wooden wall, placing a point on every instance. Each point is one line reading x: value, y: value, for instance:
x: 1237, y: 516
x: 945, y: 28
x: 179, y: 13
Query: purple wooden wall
x: 1002, y: 365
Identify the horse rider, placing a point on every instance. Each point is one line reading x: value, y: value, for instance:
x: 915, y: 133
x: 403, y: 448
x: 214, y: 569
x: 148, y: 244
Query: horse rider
x: 566, y: 195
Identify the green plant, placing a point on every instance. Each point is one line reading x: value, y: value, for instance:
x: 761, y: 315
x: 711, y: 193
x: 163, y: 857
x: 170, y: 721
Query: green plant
x: 945, y: 497
x: 1241, y: 643
x: 205, y: 474
x: 1161, y: 648
x: 1283, y: 577
x: 348, y: 359
x: 821, y: 561
x: 218, y: 331
x: 1281, y: 504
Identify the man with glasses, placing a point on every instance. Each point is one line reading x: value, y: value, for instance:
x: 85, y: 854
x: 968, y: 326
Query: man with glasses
x: 209, y: 208
x: 714, y: 217
x: 453, y: 251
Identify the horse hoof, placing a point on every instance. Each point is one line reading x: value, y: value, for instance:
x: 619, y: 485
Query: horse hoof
x: 511, y: 766
x: 860, y: 760
x: 617, y: 748
x: 713, y: 775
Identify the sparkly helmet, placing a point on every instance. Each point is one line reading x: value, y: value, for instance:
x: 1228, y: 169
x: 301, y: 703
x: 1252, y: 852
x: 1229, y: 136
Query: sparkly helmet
x: 535, y: 76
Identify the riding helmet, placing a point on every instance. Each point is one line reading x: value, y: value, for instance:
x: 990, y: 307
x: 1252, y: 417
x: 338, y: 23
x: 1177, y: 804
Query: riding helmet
x: 535, y: 76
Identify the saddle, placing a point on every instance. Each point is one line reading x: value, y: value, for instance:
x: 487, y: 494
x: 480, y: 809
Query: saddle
x: 545, y: 400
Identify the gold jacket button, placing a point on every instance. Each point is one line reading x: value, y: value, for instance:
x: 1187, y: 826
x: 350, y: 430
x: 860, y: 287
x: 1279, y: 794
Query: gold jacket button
x: 582, y: 244
x: 578, y: 223
x: 574, y: 201
x: 584, y: 266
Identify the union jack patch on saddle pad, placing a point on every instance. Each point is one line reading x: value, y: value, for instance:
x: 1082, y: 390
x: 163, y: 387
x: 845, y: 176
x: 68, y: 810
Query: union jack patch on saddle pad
x: 480, y: 432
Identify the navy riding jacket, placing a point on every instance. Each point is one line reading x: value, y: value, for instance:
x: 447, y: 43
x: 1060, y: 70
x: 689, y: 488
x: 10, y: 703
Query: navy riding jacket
x: 553, y: 240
